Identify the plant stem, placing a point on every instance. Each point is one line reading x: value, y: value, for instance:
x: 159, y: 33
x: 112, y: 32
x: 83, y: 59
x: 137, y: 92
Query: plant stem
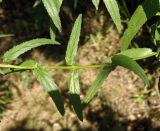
x: 16, y: 67
x: 52, y: 67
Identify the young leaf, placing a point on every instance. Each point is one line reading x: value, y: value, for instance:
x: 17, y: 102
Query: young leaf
x: 74, y: 91
x: 16, y: 51
x: 49, y: 85
x: 73, y: 42
x: 148, y: 9
x: 53, y: 7
x: 96, y: 3
x: 113, y: 9
x: 104, y: 72
x: 126, y: 62
x: 5, y: 35
x: 138, y: 53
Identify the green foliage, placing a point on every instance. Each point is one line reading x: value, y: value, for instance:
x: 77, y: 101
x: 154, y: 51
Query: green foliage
x: 101, y: 77
x: 74, y: 87
x: 155, y: 32
x: 13, y: 53
x: 52, y: 34
x: 49, y: 85
x: 113, y: 9
x: 126, y: 62
x: 126, y: 58
x: 53, y: 8
x: 96, y: 3
x: 138, y: 53
x: 148, y: 9
x: 73, y: 42
x: 74, y: 91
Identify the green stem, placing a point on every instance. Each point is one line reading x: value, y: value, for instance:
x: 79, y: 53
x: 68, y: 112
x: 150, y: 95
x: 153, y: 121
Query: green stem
x: 52, y: 67
x: 16, y: 67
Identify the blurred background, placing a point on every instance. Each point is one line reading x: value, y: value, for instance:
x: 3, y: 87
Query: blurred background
x: 122, y: 104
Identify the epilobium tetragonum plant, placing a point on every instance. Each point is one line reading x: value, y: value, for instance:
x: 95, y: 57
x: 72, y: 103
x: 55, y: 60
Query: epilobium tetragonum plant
x: 125, y: 58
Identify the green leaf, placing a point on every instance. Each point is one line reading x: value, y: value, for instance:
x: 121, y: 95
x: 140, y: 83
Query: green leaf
x: 53, y: 7
x: 155, y: 32
x: 113, y: 10
x: 16, y: 51
x: 135, y: 54
x: 58, y: 4
x: 148, y: 9
x: 96, y: 3
x: 28, y: 63
x: 138, y: 53
x: 74, y: 91
x: 126, y: 62
x: 104, y: 72
x: 5, y: 35
x: 73, y: 42
x: 52, y: 34
x: 49, y: 85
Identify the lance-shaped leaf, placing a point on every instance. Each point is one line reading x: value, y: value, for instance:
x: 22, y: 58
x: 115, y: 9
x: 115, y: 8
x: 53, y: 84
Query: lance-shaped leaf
x: 16, y: 51
x: 74, y: 88
x: 113, y: 10
x: 126, y: 62
x: 138, y: 53
x: 135, y: 54
x: 5, y: 35
x: 53, y: 11
x: 49, y: 85
x: 96, y: 3
x: 74, y: 92
x: 73, y: 42
x: 104, y: 72
x: 148, y: 9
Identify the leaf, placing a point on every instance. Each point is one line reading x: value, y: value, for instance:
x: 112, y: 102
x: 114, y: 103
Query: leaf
x: 58, y: 4
x: 49, y: 85
x: 126, y: 62
x: 138, y: 53
x: 96, y: 3
x: 16, y: 51
x: 113, y: 10
x: 155, y: 32
x: 135, y: 54
x: 73, y: 42
x: 74, y: 91
x: 148, y: 9
x: 52, y: 34
x: 5, y: 35
x: 104, y: 72
x: 52, y: 7
x: 28, y: 63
